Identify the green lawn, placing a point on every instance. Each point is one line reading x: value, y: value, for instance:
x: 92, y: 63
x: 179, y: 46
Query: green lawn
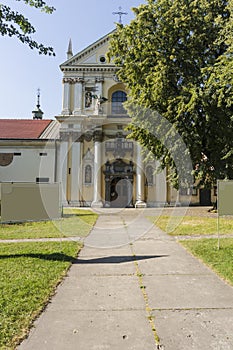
x: 29, y: 275
x: 221, y: 261
x: 192, y: 225
x: 75, y: 222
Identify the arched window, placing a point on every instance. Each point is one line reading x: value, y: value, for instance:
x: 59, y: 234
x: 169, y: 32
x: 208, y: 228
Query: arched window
x: 118, y: 97
x: 88, y: 174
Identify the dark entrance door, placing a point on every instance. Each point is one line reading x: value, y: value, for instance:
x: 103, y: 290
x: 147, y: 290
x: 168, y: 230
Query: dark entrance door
x: 120, y: 192
x: 205, y: 197
x: 119, y: 184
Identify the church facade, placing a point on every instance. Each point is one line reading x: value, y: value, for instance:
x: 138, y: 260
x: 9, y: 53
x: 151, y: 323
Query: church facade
x: 99, y: 166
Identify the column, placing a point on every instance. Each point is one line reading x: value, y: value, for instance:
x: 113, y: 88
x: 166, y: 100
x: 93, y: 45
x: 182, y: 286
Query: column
x: 78, y: 95
x: 139, y: 180
x: 66, y: 97
x: 63, y: 162
x: 97, y: 200
x: 75, y: 172
x: 99, y: 93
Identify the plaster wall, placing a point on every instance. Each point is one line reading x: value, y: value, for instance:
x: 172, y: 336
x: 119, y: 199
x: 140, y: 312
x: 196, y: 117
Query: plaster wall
x: 28, y: 165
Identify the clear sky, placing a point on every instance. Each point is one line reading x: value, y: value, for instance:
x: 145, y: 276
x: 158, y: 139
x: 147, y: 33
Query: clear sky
x: 23, y: 70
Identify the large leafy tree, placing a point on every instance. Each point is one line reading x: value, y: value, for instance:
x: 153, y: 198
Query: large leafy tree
x: 220, y: 80
x: 165, y: 58
x: 13, y: 23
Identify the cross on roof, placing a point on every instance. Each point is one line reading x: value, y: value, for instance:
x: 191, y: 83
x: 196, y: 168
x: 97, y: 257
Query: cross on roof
x: 120, y: 13
x: 38, y: 98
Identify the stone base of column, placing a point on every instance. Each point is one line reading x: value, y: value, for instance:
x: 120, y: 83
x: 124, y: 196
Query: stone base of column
x: 77, y: 112
x: 74, y: 203
x: 64, y: 203
x: 65, y: 112
x: 97, y: 204
x: 140, y: 204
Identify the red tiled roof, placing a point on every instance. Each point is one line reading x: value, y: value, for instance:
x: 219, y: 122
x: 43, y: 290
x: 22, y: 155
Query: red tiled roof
x: 22, y: 128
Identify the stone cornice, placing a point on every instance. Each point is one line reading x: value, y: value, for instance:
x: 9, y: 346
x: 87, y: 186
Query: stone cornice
x: 26, y: 142
x: 90, y: 68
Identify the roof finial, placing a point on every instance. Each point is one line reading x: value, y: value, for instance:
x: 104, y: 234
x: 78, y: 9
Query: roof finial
x: 38, y: 99
x: 37, y: 114
x: 70, y: 51
x: 120, y: 14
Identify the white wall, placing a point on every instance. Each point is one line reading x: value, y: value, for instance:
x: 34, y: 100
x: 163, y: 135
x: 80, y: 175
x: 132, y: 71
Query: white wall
x: 29, y: 165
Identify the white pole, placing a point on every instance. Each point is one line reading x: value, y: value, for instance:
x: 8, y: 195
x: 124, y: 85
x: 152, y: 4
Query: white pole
x: 218, y: 214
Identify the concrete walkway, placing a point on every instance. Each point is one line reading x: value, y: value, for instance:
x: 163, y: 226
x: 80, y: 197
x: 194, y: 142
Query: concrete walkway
x: 126, y: 297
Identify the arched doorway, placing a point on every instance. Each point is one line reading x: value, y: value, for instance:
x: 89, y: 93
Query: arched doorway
x: 119, y: 184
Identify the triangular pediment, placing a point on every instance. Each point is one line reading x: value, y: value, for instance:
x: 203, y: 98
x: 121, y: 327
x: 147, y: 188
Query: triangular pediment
x: 92, y: 55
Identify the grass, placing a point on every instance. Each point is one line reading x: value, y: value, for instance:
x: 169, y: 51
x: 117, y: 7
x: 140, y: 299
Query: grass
x: 192, y: 225
x: 218, y: 260
x: 75, y: 222
x: 29, y: 274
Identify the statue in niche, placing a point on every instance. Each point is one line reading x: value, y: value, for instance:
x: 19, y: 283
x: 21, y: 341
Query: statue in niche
x: 88, y: 174
x: 88, y: 99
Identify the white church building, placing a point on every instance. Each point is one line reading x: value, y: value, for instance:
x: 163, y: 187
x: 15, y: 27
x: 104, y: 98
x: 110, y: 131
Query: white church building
x: 86, y: 148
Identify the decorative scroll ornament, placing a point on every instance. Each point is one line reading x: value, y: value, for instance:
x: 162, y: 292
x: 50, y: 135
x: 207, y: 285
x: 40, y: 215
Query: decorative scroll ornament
x: 6, y: 158
x: 73, y: 80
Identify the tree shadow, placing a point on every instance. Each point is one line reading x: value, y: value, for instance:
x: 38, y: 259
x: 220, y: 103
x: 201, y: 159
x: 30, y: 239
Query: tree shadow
x: 117, y: 259
x: 69, y: 215
x: 51, y: 257
x: 66, y: 258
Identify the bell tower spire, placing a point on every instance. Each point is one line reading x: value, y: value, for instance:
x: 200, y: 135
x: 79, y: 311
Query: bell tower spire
x: 37, y: 114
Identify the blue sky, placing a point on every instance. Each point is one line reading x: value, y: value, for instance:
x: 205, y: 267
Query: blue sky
x: 23, y: 70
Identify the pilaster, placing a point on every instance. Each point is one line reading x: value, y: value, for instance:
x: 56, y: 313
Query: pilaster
x: 97, y: 200
x: 63, y: 162
x: 75, y: 173
x: 99, y: 92
x: 66, y: 97
x: 78, y: 95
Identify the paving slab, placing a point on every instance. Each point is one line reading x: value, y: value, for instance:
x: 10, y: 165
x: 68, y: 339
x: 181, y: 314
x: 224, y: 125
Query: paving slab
x: 98, y: 293
x: 88, y: 330
x: 171, y: 259
x: 203, y: 329
x: 187, y: 292
x: 112, y: 231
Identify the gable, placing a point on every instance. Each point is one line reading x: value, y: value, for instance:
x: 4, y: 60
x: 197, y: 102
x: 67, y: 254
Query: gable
x: 92, y: 55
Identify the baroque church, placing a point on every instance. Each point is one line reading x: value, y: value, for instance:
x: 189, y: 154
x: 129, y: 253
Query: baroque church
x: 86, y: 148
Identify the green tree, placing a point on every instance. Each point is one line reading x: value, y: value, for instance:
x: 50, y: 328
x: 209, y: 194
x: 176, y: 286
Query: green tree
x: 13, y: 23
x: 220, y: 80
x: 165, y: 56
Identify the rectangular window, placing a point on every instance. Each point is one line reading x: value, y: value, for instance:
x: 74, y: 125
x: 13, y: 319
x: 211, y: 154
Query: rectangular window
x: 17, y: 154
x: 42, y: 179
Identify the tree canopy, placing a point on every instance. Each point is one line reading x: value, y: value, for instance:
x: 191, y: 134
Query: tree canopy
x: 174, y: 58
x: 13, y: 23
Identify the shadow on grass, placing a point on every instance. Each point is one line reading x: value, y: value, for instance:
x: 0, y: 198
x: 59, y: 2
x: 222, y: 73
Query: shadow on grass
x: 53, y: 257
x: 71, y: 215
x: 118, y: 259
